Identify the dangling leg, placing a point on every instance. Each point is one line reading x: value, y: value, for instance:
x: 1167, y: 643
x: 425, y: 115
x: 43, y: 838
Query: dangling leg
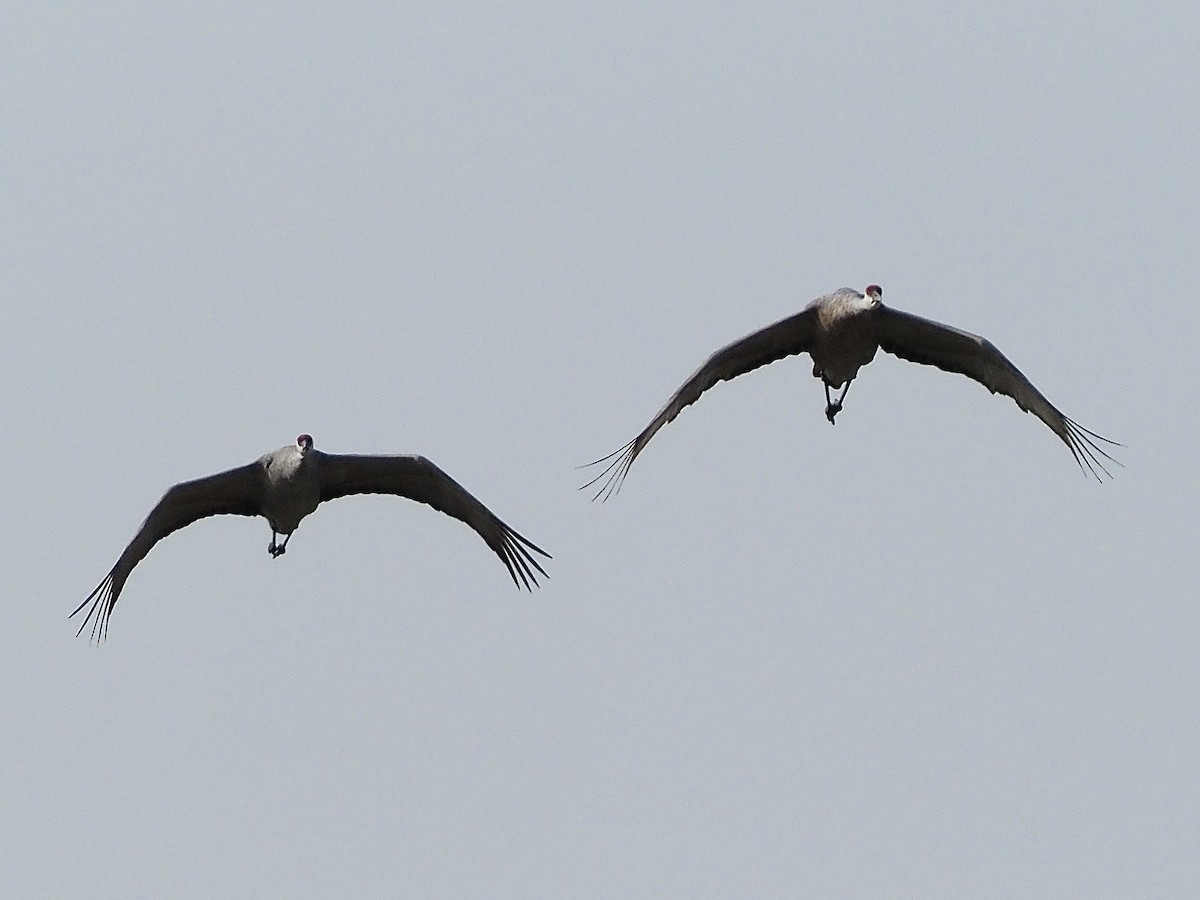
x: 278, y: 549
x: 832, y: 408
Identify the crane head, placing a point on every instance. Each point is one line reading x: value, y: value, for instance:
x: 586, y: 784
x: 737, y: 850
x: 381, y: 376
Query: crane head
x: 304, y: 442
x: 874, y: 294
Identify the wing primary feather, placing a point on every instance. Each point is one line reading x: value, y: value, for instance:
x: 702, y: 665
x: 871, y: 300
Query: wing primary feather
x: 604, y: 458
x: 100, y: 600
x: 614, y: 473
x: 514, y: 564
x: 1087, y: 452
x: 518, y: 564
x: 511, y: 562
x: 519, y: 560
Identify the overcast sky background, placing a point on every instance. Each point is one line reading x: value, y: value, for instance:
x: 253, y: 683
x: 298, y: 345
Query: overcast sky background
x: 918, y: 654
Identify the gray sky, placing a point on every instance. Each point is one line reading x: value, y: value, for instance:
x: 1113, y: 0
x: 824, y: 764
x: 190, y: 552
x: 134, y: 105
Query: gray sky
x: 917, y: 654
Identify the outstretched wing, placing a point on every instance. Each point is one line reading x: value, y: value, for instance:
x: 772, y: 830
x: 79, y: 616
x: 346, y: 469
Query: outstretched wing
x: 952, y: 350
x: 235, y: 492
x: 416, y: 478
x: 786, y: 337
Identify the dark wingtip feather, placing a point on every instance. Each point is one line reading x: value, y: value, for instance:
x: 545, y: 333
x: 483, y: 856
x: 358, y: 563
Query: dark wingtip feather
x: 605, y: 458
x: 521, y: 564
x: 102, y: 600
x: 530, y: 544
x: 612, y: 475
x: 1088, y: 454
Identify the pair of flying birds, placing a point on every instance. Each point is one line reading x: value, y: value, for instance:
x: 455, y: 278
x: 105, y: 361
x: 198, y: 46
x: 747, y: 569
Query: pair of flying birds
x: 841, y: 332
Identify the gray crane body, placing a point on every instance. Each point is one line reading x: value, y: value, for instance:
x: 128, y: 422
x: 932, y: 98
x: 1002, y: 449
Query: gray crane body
x: 292, y: 487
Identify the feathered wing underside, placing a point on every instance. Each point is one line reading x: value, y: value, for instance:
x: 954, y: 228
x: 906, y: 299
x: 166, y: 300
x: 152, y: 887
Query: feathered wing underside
x: 786, y: 337
x: 416, y: 478
x: 953, y: 350
x: 234, y: 492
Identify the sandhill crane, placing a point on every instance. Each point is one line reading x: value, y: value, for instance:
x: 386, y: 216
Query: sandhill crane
x: 841, y: 332
x: 287, y: 485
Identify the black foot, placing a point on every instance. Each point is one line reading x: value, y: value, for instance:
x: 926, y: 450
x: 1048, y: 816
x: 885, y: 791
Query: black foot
x: 276, y: 549
x: 832, y: 410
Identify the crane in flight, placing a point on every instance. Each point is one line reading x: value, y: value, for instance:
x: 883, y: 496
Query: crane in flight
x: 286, y: 485
x: 842, y: 332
